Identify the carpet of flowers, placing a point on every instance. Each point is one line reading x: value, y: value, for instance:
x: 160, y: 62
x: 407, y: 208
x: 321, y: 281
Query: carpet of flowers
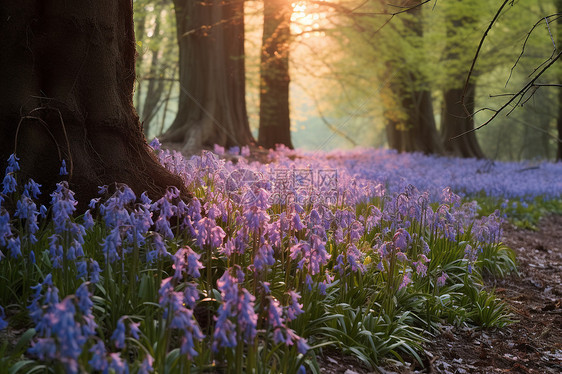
x: 365, y: 252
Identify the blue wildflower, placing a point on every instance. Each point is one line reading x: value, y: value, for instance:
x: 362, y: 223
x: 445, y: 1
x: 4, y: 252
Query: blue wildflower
x: 99, y: 357
x: 118, y: 336
x: 117, y: 364
x: 9, y: 184
x: 3, y: 322
x: 63, y: 168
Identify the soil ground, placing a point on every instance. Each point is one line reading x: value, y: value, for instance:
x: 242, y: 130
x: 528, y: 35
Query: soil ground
x: 531, y: 345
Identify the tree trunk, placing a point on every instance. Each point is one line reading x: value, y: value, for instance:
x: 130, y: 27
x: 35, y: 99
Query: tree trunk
x: 67, y: 71
x: 212, y: 106
x: 558, y: 4
x: 410, y: 121
x: 456, y: 119
x: 559, y: 125
x: 275, y: 122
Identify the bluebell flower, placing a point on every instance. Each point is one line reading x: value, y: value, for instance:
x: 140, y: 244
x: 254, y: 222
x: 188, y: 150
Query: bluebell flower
x: 406, y: 280
x: 62, y: 170
x: 32, y: 189
x: 294, y: 309
x: 63, y: 205
x: 118, y: 336
x: 155, y: 144
x: 94, y: 271
x: 275, y: 320
x: 134, y: 330
x: 9, y: 184
x: 83, y: 295
x: 117, y: 364
x: 81, y: 269
x: 3, y: 322
x: 264, y: 256
x: 182, y: 318
x: 99, y: 357
x: 13, y: 164
x: 88, y: 220
x: 442, y: 279
x: 14, y: 245
x: 187, y: 261
x: 5, y: 227
x: 146, y: 365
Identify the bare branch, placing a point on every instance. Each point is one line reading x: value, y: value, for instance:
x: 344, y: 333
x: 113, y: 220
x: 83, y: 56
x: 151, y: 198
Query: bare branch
x: 557, y: 15
x: 531, y: 85
x: 465, y: 90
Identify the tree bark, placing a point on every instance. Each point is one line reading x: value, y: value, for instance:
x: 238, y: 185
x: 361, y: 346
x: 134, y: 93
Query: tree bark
x: 457, y: 117
x: 455, y: 121
x: 212, y: 106
x: 558, y: 4
x: 67, y: 71
x: 559, y: 125
x: 410, y: 121
x: 275, y: 122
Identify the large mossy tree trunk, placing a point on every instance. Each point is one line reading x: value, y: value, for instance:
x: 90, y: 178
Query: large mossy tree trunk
x: 275, y: 122
x: 212, y: 107
x: 408, y: 105
x: 457, y: 116
x: 67, y: 71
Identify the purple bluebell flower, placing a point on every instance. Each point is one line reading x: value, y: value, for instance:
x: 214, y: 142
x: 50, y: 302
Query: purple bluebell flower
x: 3, y: 322
x: 247, y: 317
x: 401, y: 256
x: 294, y: 309
x: 32, y: 189
x: 99, y: 357
x: 94, y: 271
x: 83, y: 295
x: 88, y: 220
x: 118, y: 336
x: 264, y: 256
x: 401, y: 239
x: 5, y: 227
x: 406, y: 280
x: 9, y: 184
x: 13, y: 164
x: 117, y: 364
x: 187, y: 261
x: 354, y: 258
x: 63, y: 205
x: 442, y: 279
x: 111, y: 244
x: 62, y: 170
x: 181, y: 317
x: 14, y: 245
x: 421, y: 267
x: 275, y: 321
x: 146, y: 365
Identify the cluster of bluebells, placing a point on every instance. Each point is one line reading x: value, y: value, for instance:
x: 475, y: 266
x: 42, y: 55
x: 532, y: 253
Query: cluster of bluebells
x: 244, y: 229
x: 63, y: 326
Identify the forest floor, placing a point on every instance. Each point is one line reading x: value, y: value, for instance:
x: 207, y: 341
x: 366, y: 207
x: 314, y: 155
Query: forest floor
x: 533, y: 344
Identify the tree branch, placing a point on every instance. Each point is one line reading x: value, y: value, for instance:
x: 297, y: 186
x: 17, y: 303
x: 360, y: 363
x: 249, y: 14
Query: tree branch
x: 520, y: 94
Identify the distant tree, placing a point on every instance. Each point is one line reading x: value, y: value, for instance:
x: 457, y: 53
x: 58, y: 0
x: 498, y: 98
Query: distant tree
x: 558, y: 4
x: 275, y: 122
x: 67, y: 71
x: 408, y: 106
x: 458, y: 100
x: 212, y: 106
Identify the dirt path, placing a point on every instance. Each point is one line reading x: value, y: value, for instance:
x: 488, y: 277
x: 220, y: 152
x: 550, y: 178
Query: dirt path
x: 532, y: 345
